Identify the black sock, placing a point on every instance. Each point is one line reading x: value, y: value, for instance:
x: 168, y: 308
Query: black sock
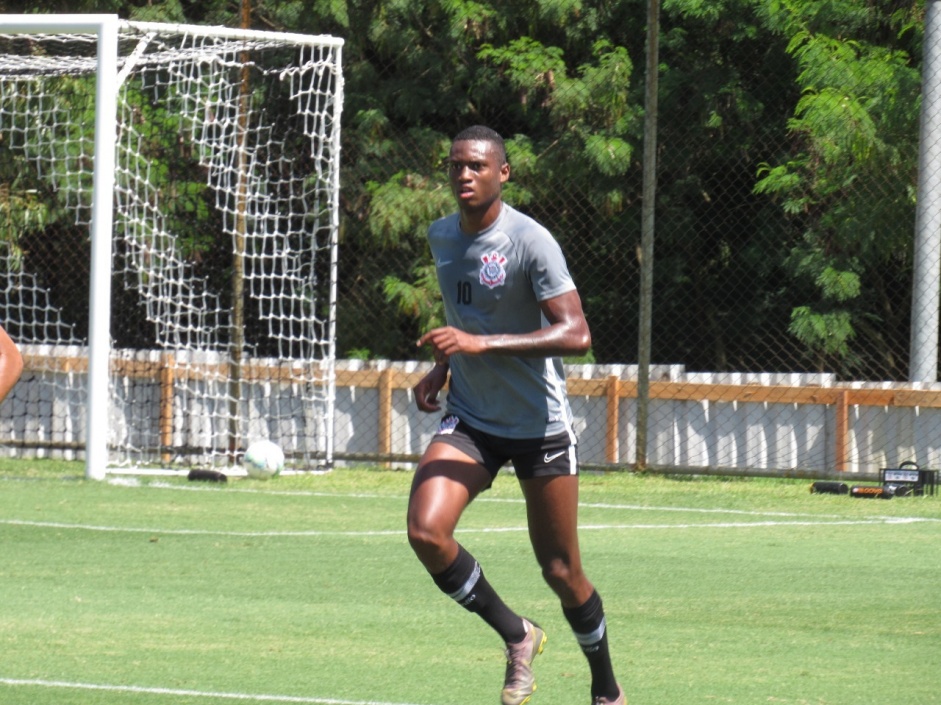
x: 464, y: 582
x: 588, y: 624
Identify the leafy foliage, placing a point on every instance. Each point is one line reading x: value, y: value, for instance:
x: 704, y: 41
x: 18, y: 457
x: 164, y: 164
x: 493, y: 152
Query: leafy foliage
x: 850, y: 184
x: 787, y: 153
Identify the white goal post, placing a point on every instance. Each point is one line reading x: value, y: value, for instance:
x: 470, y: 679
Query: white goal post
x: 197, y: 169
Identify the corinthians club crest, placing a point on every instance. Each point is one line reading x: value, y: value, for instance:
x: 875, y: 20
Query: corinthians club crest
x: 492, y: 273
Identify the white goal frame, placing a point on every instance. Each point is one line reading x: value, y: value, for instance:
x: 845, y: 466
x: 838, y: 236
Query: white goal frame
x: 108, y: 82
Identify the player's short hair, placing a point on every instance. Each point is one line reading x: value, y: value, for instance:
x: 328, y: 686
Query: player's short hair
x: 482, y: 133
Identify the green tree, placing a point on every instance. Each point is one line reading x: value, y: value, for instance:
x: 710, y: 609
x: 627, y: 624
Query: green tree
x: 848, y: 186
x: 787, y: 150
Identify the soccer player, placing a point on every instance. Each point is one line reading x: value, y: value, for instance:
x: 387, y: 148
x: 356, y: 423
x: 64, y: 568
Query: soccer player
x: 11, y: 363
x: 512, y: 312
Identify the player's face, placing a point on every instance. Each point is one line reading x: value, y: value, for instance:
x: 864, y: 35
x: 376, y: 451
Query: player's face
x: 477, y: 172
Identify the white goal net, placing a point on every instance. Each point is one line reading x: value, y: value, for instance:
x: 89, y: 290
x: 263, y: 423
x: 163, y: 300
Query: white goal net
x: 220, y: 282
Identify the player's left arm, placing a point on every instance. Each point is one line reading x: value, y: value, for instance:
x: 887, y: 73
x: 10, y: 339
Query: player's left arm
x: 566, y: 334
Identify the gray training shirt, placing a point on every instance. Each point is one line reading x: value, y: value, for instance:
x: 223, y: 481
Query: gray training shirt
x: 492, y: 283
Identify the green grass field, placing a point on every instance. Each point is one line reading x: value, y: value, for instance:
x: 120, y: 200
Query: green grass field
x: 303, y: 590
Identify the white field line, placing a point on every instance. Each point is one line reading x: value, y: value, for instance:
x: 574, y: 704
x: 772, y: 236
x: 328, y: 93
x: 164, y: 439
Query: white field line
x: 512, y: 500
x: 786, y: 518
x: 485, y: 530
x: 191, y: 532
x: 189, y: 693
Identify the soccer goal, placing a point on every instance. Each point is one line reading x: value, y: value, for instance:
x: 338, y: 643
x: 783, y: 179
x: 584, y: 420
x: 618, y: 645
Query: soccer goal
x: 168, y: 241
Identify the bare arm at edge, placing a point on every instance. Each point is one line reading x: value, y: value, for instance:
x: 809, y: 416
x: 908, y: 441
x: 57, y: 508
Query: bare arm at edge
x: 11, y: 363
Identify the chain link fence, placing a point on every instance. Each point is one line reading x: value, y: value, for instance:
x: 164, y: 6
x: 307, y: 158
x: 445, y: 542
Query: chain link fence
x: 786, y: 190
x: 787, y: 162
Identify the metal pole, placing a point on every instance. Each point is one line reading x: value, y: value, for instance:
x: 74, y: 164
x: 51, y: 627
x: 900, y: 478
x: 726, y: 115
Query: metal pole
x: 102, y: 227
x: 645, y: 252
x: 926, y: 284
x: 102, y: 217
x: 331, y: 362
x: 238, y: 254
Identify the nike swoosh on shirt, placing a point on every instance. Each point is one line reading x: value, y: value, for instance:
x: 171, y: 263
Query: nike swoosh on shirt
x: 441, y: 263
x: 550, y: 458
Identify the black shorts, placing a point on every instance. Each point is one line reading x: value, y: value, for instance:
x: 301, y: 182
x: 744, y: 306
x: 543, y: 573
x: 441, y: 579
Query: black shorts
x: 531, y: 457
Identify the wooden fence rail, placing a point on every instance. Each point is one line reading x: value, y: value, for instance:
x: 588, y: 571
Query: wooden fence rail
x: 388, y: 378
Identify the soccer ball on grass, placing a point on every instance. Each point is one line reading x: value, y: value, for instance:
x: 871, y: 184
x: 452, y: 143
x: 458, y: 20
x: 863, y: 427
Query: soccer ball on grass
x: 263, y: 460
